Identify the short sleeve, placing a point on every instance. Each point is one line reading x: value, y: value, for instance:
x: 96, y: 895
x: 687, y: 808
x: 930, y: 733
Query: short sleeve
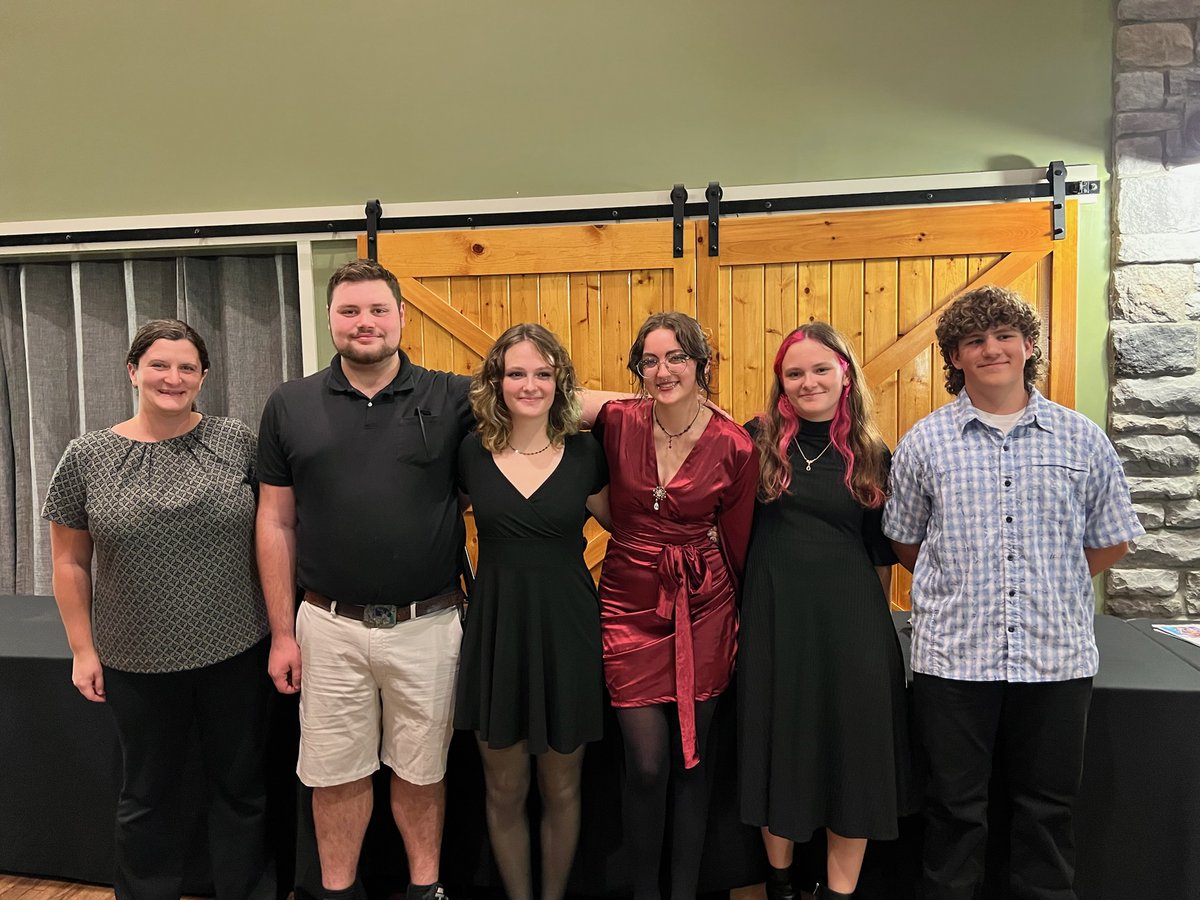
x: 907, y: 511
x: 597, y: 462
x: 66, y: 500
x: 1110, y: 516
x: 879, y: 548
x: 460, y: 392
x: 272, y: 464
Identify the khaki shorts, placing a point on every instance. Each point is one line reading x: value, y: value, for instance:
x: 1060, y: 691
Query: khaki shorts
x: 361, y: 684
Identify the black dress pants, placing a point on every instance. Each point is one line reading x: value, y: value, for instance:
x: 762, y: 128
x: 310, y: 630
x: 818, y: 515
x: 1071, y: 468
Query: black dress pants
x: 229, y: 702
x: 1030, y: 734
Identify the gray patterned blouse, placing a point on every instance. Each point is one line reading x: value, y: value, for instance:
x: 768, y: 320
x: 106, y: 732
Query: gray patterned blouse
x: 172, y: 522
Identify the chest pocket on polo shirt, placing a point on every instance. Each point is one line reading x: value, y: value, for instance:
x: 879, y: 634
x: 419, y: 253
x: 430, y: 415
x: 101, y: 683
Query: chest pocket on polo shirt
x: 1058, y: 487
x: 418, y: 438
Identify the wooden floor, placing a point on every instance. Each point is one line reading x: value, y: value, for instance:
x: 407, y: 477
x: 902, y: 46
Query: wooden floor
x: 17, y: 887
x: 13, y: 887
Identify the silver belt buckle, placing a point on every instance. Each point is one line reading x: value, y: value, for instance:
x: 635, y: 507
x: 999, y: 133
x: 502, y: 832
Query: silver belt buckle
x: 379, y: 615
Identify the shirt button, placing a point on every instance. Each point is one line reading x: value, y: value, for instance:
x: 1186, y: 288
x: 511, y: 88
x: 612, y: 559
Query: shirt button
x: 369, y: 404
x: 1008, y: 484
x: 1010, y: 557
x: 1011, y: 629
x: 1005, y: 449
x: 1008, y: 518
x: 1012, y: 593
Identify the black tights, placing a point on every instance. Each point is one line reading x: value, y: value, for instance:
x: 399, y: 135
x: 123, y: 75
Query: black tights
x: 654, y: 761
x: 507, y: 773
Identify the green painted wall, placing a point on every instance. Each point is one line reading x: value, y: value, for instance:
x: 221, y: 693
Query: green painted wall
x: 129, y: 107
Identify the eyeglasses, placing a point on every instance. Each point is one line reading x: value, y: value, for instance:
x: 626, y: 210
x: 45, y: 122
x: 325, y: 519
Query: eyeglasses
x: 675, y: 363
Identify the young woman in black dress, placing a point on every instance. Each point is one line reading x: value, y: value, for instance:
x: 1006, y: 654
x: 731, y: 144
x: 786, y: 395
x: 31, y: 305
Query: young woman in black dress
x: 822, y: 734
x: 530, y: 679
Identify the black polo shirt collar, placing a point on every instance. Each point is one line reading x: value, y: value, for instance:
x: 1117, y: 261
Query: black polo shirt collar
x: 403, y: 383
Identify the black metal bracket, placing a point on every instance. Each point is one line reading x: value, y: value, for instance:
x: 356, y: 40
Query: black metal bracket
x: 374, y: 212
x: 679, y: 197
x: 713, y: 195
x: 1057, y: 175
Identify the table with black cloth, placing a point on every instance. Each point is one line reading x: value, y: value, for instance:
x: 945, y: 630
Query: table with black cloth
x: 60, y: 764
x: 1138, y: 819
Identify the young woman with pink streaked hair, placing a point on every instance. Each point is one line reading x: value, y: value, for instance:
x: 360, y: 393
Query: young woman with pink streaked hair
x: 822, y: 723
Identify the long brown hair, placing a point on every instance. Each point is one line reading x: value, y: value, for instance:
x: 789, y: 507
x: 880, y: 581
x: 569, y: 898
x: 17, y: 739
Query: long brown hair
x: 853, y: 431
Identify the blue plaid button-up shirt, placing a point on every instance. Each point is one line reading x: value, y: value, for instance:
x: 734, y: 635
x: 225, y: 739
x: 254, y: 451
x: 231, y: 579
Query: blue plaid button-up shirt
x: 1001, y: 590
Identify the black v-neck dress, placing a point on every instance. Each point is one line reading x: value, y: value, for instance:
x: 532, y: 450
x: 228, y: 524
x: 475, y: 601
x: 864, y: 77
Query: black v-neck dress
x: 530, y: 668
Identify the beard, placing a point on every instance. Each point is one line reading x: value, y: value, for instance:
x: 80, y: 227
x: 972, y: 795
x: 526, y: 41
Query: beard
x: 367, y: 357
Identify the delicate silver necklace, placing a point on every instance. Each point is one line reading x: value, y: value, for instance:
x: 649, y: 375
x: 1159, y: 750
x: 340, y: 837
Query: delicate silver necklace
x: 671, y: 437
x: 809, y: 462
x: 530, y: 452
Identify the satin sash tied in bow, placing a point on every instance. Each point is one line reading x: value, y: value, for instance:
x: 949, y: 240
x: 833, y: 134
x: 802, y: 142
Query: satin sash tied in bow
x: 682, y: 572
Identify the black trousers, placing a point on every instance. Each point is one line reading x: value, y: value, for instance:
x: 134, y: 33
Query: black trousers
x: 1032, y: 735
x: 229, y: 703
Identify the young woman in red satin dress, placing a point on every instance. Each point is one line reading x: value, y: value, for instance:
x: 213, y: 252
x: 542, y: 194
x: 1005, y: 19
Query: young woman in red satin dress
x: 682, y: 483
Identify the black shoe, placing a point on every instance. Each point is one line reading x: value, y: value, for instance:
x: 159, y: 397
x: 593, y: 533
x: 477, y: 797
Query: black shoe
x: 779, y: 885
x: 433, y: 891
x: 824, y: 893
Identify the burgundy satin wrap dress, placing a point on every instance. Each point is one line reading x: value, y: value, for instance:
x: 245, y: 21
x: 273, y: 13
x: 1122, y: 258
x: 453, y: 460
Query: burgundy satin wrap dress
x: 668, y: 594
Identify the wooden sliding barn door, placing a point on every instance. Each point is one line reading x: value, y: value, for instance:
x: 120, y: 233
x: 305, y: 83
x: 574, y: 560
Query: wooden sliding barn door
x: 880, y: 276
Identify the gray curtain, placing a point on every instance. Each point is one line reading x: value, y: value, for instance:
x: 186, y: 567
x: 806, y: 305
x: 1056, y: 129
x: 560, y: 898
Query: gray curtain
x: 64, y: 332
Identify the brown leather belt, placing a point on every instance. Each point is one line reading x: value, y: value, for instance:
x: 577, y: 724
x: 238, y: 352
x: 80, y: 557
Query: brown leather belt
x: 385, y: 615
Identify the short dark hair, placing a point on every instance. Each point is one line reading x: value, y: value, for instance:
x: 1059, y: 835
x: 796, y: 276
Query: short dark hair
x: 692, y: 341
x: 361, y: 270
x: 166, y: 330
x: 987, y: 307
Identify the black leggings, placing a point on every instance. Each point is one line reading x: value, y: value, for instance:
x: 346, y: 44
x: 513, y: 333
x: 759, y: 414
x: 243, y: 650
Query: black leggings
x: 654, y: 764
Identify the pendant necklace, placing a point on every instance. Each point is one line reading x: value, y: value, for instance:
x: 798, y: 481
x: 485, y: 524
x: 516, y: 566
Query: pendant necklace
x: 671, y: 437
x: 809, y: 462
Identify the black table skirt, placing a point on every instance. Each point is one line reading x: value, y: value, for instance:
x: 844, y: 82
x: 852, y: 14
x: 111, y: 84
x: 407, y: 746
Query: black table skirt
x: 1138, y: 821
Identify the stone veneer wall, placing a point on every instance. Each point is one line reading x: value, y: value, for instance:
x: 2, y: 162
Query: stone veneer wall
x: 1155, y: 337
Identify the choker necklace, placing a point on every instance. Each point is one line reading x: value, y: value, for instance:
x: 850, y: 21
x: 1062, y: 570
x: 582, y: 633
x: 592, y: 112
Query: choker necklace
x: 671, y: 437
x: 530, y: 452
x: 809, y: 462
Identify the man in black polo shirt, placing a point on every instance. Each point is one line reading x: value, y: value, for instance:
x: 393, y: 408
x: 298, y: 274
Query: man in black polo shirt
x: 358, y: 507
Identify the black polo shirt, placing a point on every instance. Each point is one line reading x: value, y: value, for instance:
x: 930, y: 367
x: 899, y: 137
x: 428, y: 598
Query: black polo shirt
x: 377, y: 518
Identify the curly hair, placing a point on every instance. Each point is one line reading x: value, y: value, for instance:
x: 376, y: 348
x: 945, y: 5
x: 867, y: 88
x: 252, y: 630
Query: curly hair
x: 487, y: 395
x: 692, y: 340
x: 989, y: 306
x: 853, y: 430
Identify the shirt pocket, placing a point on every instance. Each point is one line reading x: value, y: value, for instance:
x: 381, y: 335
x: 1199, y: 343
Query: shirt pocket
x: 1057, y: 489
x: 418, y: 438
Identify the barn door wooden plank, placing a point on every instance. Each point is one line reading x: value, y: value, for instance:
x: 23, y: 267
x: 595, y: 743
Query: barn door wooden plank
x: 904, y: 349
x: 423, y: 303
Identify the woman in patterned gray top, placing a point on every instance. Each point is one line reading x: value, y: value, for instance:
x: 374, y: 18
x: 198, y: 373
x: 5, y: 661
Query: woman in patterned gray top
x: 172, y: 631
